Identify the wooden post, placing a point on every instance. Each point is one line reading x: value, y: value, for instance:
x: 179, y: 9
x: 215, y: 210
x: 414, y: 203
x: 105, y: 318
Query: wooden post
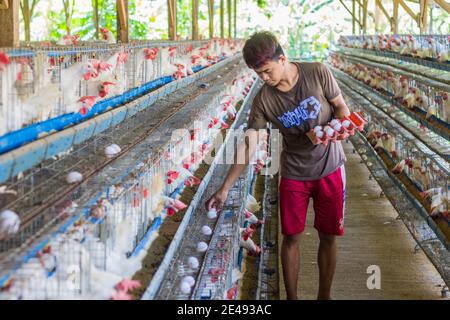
x: 96, y: 18
x: 230, y: 23
x: 9, y: 20
x: 222, y: 16
x: 211, y: 18
x: 365, y: 16
x: 353, y: 16
x: 235, y: 14
x: 423, y: 16
x: 394, y: 22
x: 122, y: 20
x: 360, y: 17
x: 194, y: 19
x: 27, y: 14
x: 377, y: 17
x: 172, y: 18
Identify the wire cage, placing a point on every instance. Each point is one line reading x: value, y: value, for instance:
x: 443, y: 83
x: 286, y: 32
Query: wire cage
x: 427, y: 172
x: 428, y: 50
x: 92, y: 240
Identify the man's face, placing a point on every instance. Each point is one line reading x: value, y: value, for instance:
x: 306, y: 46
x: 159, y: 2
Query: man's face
x: 272, y: 71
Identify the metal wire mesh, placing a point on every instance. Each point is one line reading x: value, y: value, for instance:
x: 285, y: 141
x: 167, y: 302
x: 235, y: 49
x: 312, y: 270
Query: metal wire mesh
x: 108, y: 227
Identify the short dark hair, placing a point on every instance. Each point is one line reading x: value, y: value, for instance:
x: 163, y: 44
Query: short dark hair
x: 260, y: 48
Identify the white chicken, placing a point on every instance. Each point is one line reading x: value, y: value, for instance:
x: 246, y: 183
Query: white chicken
x: 107, y: 36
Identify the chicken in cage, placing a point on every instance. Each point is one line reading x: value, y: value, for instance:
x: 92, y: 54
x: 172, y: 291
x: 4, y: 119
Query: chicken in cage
x: 431, y: 102
x: 435, y: 47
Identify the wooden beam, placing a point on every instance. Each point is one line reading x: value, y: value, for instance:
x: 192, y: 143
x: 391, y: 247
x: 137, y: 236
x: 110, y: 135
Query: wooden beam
x: 394, y: 22
x: 380, y: 5
x: 96, y: 18
x: 194, y: 19
x: 4, y: 4
x: 352, y: 14
x: 9, y: 20
x: 222, y: 16
x: 408, y: 10
x: 122, y: 21
x: 235, y: 17
x: 230, y: 23
x: 377, y: 17
x: 423, y: 16
x: 443, y: 4
x: 360, y: 17
x: 172, y: 18
x: 211, y: 18
x: 365, y: 16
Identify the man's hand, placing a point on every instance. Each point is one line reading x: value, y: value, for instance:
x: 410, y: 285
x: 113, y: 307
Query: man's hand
x: 217, y: 200
x: 312, y: 136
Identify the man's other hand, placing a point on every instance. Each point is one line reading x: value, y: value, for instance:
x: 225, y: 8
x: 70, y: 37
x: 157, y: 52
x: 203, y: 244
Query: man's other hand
x: 217, y: 200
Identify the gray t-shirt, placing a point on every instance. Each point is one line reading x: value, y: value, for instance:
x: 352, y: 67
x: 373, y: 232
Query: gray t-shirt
x: 294, y: 113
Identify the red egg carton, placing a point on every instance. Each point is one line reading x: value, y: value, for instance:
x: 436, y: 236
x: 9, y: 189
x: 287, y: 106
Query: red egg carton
x: 358, y: 120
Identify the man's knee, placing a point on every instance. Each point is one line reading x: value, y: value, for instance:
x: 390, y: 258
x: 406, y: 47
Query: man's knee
x: 327, y: 239
x: 291, y: 240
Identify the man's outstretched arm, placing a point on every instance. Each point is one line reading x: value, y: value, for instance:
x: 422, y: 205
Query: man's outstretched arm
x: 244, y: 154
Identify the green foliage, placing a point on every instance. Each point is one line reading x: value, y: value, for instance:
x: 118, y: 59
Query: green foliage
x: 184, y: 19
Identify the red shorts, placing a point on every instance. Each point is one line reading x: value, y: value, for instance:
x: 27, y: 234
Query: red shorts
x: 328, y: 194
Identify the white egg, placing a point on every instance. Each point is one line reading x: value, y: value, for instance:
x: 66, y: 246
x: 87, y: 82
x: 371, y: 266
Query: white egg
x: 74, y: 177
x: 212, y: 214
x: 319, y: 134
x: 317, y: 129
x: 185, y: 287
x: 206, y: 230
x: 116, y: 147
x: 112, y: 150
x: 346, y: 123
x: 334, y: 122
x: 193, y: 262
x: 329, y: 131
x: 9, y: 223
x: 189, y: 279
x: 337, y: 127
x: 202, y: 246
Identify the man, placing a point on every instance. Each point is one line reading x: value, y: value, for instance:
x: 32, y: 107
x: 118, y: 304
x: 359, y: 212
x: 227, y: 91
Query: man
x: 295, y: 98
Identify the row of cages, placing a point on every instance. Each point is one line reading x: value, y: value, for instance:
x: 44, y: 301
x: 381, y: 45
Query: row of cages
x: 91, y: 250
x: 238, y: 222
x: 433, y: 47
x: 425, y: 176
x: 430, y: 101
x: 40, y: 83
x: 208, y: 264
x: 50, y: 181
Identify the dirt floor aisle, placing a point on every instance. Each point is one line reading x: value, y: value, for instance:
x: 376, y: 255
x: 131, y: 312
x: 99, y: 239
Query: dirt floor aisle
x: 373, y: 237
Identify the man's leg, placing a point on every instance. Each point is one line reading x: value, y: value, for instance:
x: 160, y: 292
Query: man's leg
x: 329, y: 203
x: 326, y: 259
x: 294, y: 199
x: 290, y: 260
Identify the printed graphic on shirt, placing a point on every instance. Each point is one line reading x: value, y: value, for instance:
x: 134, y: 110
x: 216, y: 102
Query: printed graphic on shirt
x: 307, y: 109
